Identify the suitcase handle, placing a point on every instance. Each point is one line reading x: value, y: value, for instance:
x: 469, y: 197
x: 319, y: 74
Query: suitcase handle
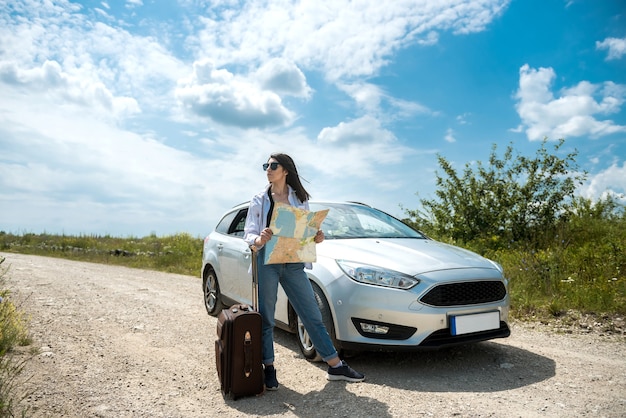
x: 247, y: 354
x: 255, y: 278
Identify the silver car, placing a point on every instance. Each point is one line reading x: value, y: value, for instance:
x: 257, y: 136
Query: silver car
x: 379, y: 283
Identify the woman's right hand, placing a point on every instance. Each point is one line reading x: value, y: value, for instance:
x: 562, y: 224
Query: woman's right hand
x: 266, y: 235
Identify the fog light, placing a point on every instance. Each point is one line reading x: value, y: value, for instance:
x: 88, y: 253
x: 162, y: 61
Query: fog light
x: 374, y: 329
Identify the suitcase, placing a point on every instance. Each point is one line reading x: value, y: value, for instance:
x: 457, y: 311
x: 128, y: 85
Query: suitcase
x: 238, y: 353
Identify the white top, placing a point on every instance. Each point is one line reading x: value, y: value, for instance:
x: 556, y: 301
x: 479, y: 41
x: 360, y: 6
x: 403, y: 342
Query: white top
x: 258, y: 211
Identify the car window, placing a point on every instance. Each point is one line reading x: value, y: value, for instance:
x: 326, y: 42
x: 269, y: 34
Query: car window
x: 223, y: 226
x: 346, y: 220
x: 375, y: 226
x: 236, y: 227
x: 233, y: 223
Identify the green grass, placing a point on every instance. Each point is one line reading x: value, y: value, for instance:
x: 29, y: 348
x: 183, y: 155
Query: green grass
x: 581, y: 268
x: 555, y: 280
x: 13, y: 333
x: 180, y: 253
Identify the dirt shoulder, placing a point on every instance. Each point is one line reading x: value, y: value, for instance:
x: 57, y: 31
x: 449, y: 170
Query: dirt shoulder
x: 120, y: 342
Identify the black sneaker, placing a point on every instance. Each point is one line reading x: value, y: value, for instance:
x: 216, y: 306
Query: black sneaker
x: 271, y: 383
x: 344, y: 372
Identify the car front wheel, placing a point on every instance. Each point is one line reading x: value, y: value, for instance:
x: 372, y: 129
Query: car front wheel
x: 304, y: 340
x: 212, y: 296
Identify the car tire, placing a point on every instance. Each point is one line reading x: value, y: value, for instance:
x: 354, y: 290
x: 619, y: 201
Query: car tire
x: 304, y: 341
x: 212, y: 296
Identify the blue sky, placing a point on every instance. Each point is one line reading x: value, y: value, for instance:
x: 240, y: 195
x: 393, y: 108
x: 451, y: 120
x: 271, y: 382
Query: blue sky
x: 136, y: 117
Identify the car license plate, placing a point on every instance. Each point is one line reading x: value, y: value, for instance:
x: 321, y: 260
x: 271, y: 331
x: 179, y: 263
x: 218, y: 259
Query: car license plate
x: 465, y: 324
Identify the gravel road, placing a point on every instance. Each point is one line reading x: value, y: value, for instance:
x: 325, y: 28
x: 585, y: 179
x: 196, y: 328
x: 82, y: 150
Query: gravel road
x: 120, y: 342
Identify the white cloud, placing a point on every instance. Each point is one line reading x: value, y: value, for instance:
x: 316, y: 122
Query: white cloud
x: 342, y: 38
x: 230, y: 100
x: 449, y: 137
x: 404, y: 108
x: 362, y: 131
x: 65, y: 170
x: 283, y: 77
x: 366, y: 96
x: 134, y: 3
x: 55, y: 47
x: 336, y: 39
x: 571, y: 114
x: 365, y: 148
x: 72, y: 163
x: 611, y: 181
x: 103, y: 13
x: 62, y: 87
x: 374, y: 101
x: 462, y: 119
x: 77, y: 83
x: 431, y: 38
x: 615, y: 46
x: 70, y: 148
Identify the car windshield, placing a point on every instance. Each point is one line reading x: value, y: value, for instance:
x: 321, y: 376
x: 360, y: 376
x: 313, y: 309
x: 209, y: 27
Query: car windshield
x: 346, y: 220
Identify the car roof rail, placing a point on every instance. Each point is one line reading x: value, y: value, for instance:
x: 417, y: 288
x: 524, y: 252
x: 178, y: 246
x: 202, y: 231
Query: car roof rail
x: 359, y: 203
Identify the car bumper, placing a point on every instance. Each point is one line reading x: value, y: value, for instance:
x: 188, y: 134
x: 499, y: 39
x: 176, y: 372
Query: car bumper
x: 435, y: 341
x: 374, y: 317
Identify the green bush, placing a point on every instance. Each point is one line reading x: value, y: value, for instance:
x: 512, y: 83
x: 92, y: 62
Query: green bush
x: 513, y: 197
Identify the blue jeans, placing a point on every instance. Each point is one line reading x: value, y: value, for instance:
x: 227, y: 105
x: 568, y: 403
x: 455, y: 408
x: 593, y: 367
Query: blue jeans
x: 300, y: 293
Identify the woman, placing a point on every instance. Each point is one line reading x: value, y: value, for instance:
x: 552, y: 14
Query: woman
x: 285, y: 187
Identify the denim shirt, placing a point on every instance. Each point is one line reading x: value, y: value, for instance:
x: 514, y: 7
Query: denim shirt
x: 258, y: 211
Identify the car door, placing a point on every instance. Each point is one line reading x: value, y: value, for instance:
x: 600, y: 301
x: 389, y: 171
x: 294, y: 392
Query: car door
x: 234, y: 260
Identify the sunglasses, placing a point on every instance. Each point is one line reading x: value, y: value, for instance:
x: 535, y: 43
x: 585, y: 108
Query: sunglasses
x: 273, y: 166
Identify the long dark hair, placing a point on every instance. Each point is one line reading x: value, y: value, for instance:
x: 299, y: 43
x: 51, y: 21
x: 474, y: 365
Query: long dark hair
x: 292, y: 175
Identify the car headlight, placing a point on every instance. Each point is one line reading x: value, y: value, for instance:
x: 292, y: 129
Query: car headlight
x: 378, y: 276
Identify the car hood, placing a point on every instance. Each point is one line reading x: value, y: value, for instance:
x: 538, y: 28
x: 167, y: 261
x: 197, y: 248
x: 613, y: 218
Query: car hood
x: 407, y: 255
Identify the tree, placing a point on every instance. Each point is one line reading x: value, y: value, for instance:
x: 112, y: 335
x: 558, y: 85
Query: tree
x: 513, y: 198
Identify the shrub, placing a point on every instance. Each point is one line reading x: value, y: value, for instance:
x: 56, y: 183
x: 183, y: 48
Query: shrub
x: 13, y: 333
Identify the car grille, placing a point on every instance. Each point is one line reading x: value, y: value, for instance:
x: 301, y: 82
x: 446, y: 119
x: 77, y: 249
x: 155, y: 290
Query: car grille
x: 465, y: 293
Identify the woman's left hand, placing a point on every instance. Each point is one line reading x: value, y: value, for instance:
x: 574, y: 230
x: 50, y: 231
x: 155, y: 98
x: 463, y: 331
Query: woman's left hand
x: 319, y: 237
